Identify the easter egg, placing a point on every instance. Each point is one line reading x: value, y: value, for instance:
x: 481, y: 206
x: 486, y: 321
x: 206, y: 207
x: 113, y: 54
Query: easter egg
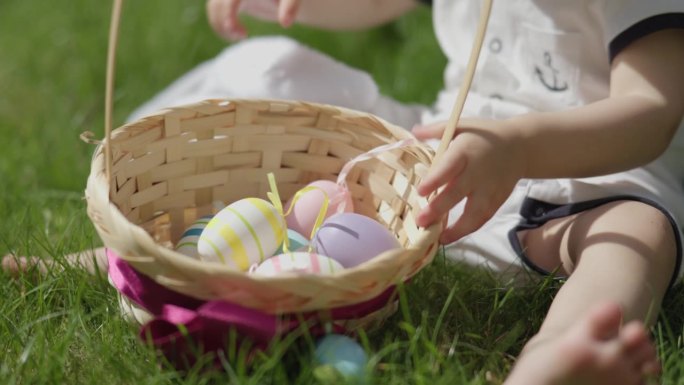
x: 307, y: 207
x: 352, y: 239
x: 243, y: 233
x: 298, y: 262
x: 342, y: 353
x: 187, y: 244
x: 297, y: 242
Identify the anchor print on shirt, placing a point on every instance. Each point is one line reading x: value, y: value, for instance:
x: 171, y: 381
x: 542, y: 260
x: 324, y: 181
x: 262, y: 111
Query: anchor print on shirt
x: 549, y: 76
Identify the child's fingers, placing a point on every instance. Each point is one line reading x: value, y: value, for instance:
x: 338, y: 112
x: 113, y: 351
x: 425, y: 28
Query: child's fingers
x: 441, y: 204
x: 223, y: 18
x: 450, y: 167
x: 429, y: 131
x: 436, y: 130
x: 287, y: 12
x: 234, y: 30
x: 475, y: 214
x: 213, y: 14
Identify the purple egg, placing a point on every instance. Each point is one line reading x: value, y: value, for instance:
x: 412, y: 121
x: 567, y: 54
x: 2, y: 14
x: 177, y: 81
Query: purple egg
x: 352, y: 239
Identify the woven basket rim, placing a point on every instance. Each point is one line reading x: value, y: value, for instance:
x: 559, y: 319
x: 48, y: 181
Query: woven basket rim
x: 138, y: 247
x: 97, y: 192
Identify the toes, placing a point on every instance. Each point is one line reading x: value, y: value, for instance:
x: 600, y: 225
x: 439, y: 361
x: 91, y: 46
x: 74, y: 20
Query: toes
x: 645, y: 361
x: 604, y: 321
x: 639, y: 348
x: 651, y: 368
x: 634, y: 336
x: 12, y: 264
x: 17, y: 265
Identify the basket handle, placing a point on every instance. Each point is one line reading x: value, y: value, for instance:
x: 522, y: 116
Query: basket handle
x: 451, y: 125
x: 109, y: 84
x: 447, y: 135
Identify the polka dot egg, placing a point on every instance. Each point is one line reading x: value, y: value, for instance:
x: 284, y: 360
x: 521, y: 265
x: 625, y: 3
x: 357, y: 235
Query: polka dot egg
x: 187, y: 245
x: 244, y: 233
x: 298, y: 262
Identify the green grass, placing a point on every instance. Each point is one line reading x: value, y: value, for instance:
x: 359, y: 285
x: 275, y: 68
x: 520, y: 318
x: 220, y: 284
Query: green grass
x: 455, y: 325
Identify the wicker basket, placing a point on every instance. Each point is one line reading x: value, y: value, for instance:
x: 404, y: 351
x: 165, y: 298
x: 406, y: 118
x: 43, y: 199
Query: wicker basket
x: 168, y: 168
x: 152, y: 178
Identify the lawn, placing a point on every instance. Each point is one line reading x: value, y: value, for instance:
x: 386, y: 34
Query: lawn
x: 455, y: 325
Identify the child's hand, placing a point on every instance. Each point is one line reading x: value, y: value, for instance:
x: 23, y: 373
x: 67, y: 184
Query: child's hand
x: 223, y: 14
x: 482, y: 164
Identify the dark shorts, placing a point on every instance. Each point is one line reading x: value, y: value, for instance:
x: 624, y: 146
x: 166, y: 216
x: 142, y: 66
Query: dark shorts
x: 536, y: 213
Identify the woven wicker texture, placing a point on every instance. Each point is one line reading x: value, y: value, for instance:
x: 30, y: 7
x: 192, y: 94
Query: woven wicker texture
x: 169, y: 168
x: 155, y: 176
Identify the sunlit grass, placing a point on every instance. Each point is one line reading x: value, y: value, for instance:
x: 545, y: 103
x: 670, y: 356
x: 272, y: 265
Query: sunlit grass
x: 454, y: 325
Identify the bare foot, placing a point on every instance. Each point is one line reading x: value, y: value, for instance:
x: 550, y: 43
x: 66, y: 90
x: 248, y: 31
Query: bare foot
x: 90, y: 260
x: 595, y: 351
x: 18, y: 265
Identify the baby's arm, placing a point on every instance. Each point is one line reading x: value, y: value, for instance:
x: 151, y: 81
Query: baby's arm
x: 326, y: 14
x: 630, y: 128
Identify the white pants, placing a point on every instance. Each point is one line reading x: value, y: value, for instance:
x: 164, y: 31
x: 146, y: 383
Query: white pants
x: 281, y: 68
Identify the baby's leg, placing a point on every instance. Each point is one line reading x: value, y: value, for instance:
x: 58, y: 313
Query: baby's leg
x: 622, y: 252
x: 92, y: 261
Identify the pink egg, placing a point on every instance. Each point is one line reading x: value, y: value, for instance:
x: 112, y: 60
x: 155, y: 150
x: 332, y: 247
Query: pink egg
x: 352, y: 239
x: 306, y: 208
x: 298, y: 262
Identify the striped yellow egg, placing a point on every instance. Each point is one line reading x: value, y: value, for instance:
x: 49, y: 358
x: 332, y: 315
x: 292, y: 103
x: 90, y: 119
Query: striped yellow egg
x: 301, y: 262
x: 187, y: 244
x: 243, y: 233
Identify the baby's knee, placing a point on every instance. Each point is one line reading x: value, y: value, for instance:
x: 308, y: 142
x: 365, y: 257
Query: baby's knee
x: 641, y: 226
x: 652, y: 225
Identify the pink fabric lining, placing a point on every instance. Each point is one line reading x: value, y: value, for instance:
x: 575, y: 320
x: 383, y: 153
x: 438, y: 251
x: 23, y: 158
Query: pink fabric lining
x: 181, y: 323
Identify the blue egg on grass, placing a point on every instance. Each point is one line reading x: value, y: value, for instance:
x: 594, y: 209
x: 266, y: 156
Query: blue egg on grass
x: 342, y: 353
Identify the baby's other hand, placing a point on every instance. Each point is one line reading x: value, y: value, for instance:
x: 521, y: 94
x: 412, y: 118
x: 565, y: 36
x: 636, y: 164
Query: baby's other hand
x: 223, y: 14
x: 482, y: 164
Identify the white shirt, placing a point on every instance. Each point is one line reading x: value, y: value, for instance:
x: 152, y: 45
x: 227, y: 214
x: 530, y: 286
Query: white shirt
x: 545, y: 55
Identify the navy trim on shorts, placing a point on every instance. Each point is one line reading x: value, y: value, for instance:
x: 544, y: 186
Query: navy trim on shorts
x: 536, y: 213
x: 644, y: 27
